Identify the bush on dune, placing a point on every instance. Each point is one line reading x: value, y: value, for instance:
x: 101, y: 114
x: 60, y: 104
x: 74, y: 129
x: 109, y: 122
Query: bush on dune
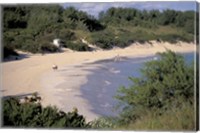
x: 173, y: 38
x: 107, y: 39
x: 47, y: 47
x: 77, y: 46
x: 66, y: 35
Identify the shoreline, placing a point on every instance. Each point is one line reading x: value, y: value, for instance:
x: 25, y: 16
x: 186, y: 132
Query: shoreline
x: 25, y: 76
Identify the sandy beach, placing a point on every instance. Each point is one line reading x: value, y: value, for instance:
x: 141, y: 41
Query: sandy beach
x: 34, y: 73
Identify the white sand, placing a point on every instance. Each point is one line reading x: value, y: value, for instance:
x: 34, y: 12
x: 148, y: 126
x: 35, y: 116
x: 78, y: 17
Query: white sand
x: 27, y: 75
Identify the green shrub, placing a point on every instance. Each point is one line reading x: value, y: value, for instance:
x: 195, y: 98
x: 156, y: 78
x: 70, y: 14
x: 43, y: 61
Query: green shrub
x: 46, y: 37
x: 8, y: 39
x: 122, y: 38
x: 30, y: 46
x: 103, y: 123
x: 77, y: 46
x: 173, y: 38
x: 104, y: 39
x: 107, y: 39
x: 169, y: 38
x: 189, y: 26
x: 31, y: 114
x: 47, y: 47
x: 66, y: 35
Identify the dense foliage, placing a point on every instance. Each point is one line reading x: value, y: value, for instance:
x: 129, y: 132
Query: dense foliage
x: 33, y: 27
x: 128, y: 25
x: 148, y: 19
x: 77, y: 46
x: 31, y: 114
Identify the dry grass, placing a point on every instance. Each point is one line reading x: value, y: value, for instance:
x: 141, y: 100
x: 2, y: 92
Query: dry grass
x: 181, y: 119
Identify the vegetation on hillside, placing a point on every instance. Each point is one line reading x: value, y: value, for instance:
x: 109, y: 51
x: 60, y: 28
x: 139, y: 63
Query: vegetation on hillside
x: 32, y: 28
x: 161, y: 99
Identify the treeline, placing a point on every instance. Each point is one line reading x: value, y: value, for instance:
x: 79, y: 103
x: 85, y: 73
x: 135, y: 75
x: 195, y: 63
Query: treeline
x: 127, y: 25
x: 149, y: 19
x: 32, y: 28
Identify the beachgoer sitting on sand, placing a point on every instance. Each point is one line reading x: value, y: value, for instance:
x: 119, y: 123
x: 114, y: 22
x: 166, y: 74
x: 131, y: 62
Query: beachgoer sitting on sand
x: 54, y: 67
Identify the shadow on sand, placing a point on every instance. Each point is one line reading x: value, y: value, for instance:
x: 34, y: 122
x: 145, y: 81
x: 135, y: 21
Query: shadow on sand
x: 15, y: 57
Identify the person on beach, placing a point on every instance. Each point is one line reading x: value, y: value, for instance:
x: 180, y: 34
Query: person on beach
x: 54, y: 67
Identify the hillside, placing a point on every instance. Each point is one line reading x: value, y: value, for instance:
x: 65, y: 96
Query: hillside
x: 32, y: 28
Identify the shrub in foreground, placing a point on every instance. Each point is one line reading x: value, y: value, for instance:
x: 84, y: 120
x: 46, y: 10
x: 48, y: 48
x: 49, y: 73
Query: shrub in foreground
x: 104, y: 123
x: 176, y: 119
x: 31, y: 114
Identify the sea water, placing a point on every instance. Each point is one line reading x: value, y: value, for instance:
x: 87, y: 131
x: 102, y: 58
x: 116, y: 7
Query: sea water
x: 104, y: 82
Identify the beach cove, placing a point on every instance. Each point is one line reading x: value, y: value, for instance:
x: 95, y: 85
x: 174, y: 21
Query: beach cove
x: 66, y: 88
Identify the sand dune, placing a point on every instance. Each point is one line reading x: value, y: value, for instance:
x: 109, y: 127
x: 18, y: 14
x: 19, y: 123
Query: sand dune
x: 25, y: 76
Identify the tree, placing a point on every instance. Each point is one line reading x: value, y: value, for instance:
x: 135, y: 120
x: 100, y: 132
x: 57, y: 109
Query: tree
x: 180, y: 19
x: 189, y: 26
x: 15, y: 17
x: 167, y: 17
x: 154, y: 15
x: 42, y: 17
